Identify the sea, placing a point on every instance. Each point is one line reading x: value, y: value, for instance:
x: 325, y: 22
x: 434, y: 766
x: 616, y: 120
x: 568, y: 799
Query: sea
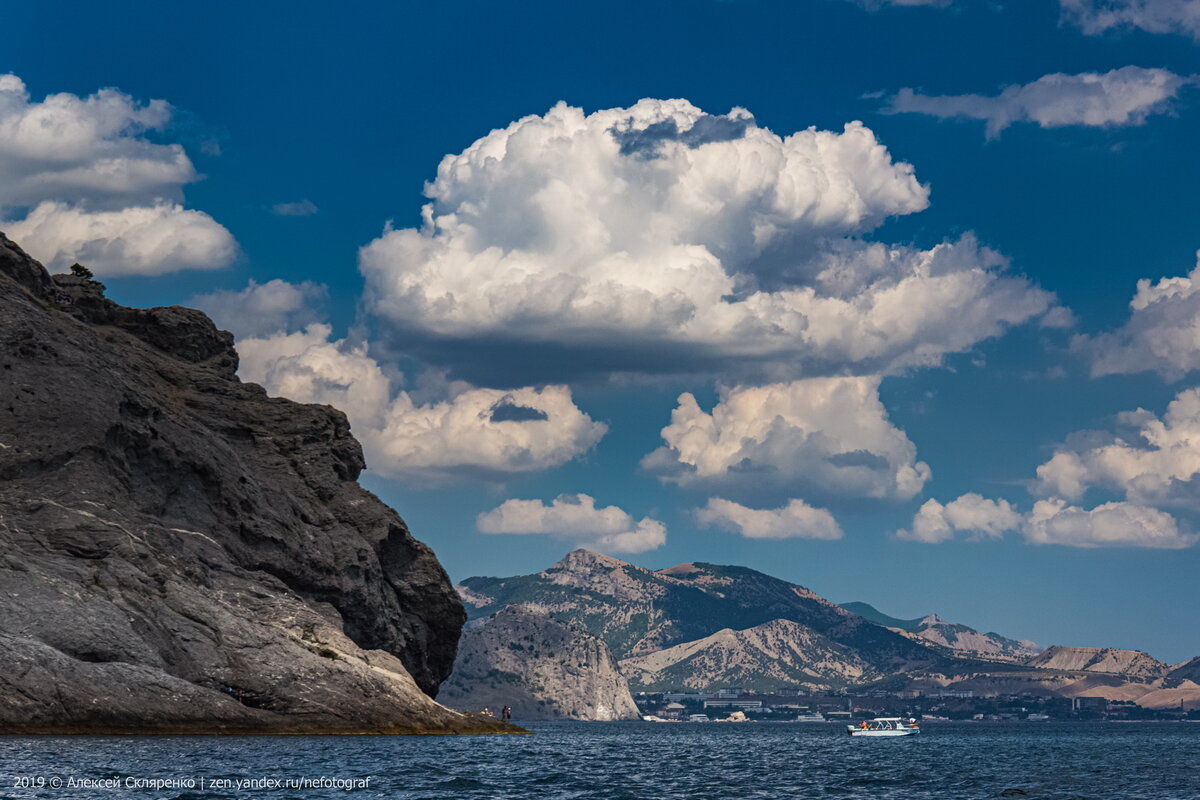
x: 627, y: 761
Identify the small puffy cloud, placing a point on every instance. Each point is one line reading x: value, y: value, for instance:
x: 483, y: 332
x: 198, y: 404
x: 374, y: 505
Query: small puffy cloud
x: 1148, y: 459
x: 139, y: 240
x: 828, y: 435
x: 1120, y: 524
x: 660, y: 237
x: 1162, y: 334
x: 302, y: 208
x: 1124, y: 96
x: 971, y: 514
x: 796, y: 520
x: 262, y: 309
x: 480, y: 433
x: 574, y: 517
x: 79, y: 181
x: 1153, y: 16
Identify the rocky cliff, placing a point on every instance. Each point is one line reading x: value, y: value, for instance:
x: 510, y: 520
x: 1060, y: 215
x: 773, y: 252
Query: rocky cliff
x: 180, y: 552
x: 542, y: 669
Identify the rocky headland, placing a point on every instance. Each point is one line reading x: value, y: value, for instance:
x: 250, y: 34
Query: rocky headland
x: 539, y: 667
x: 180, y: 553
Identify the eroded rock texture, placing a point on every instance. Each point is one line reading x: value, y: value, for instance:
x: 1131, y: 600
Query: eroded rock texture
x: 541, y: 668
x: 180, y: 552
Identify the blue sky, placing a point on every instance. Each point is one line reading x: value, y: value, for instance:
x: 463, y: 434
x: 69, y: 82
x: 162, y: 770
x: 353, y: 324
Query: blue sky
x: 877, y: 338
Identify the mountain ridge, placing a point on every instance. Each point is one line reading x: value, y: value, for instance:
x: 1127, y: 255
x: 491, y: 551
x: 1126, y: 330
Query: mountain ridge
x: 638, y: 611
x: 954, y: 636
x: 698, y: 626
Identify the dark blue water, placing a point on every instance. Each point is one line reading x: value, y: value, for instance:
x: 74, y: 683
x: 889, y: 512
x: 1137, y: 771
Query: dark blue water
x: 635, y: 761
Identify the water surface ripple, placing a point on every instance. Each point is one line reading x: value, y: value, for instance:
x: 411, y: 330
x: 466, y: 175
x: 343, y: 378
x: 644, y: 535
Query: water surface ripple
x: 641, y: 761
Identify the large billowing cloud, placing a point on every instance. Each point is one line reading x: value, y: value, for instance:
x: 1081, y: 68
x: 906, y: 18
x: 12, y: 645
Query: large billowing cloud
x: 473, y: 432
x: 574, y: 517
x: 971, y: 514
x: 1148, y: 459
x: 1162, y: 334
x: 79, y: 181
x: 659, y: 237
x: 1152, y: 16
x: 796, y: 520
x: 828, y: 435
x: 263, y: 309
x: 1124, y: 96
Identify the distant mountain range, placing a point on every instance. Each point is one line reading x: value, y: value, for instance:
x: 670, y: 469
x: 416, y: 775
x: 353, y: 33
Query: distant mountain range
x: 701, y: 627
x: 963, y: 640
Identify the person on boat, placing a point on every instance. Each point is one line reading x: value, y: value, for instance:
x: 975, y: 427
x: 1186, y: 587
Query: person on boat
x: 864, y: 724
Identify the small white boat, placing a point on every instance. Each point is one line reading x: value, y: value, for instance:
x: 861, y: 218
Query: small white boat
x: 884, y: 726
x: 809, y: 718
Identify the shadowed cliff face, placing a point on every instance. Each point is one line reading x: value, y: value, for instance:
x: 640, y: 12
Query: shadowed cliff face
x: 179, y: 551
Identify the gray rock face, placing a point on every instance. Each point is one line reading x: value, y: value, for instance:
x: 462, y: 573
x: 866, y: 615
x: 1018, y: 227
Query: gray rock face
x: 180, y: 552
x: 541, y: 668
x: 762, y: 658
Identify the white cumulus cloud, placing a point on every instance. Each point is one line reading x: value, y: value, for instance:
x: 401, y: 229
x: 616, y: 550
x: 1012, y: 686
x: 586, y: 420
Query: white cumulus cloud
x: 576, y: 518
x: 971, y: 514
x: 1124, y: 96
x: 1120, y: 524
x: 796, y: 520
x: 1162, y: 334
x: 1153, y: 16
x: 262, y: 309
x: 475, y: 432
x: 79, y: 181
x: 85, y: 149
x: 661, y: 237
x: 830, y: 435
x: 1148, y: 459
x: 139, y: 240
x: 1051, y: 521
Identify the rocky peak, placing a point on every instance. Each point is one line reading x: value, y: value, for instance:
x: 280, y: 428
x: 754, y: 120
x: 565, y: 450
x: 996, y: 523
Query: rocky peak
x: 680, y: 570
x: 584, y: 569
x: 585, y: 562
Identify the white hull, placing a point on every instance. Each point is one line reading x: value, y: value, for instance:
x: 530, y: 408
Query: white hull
x: 901, y: 732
